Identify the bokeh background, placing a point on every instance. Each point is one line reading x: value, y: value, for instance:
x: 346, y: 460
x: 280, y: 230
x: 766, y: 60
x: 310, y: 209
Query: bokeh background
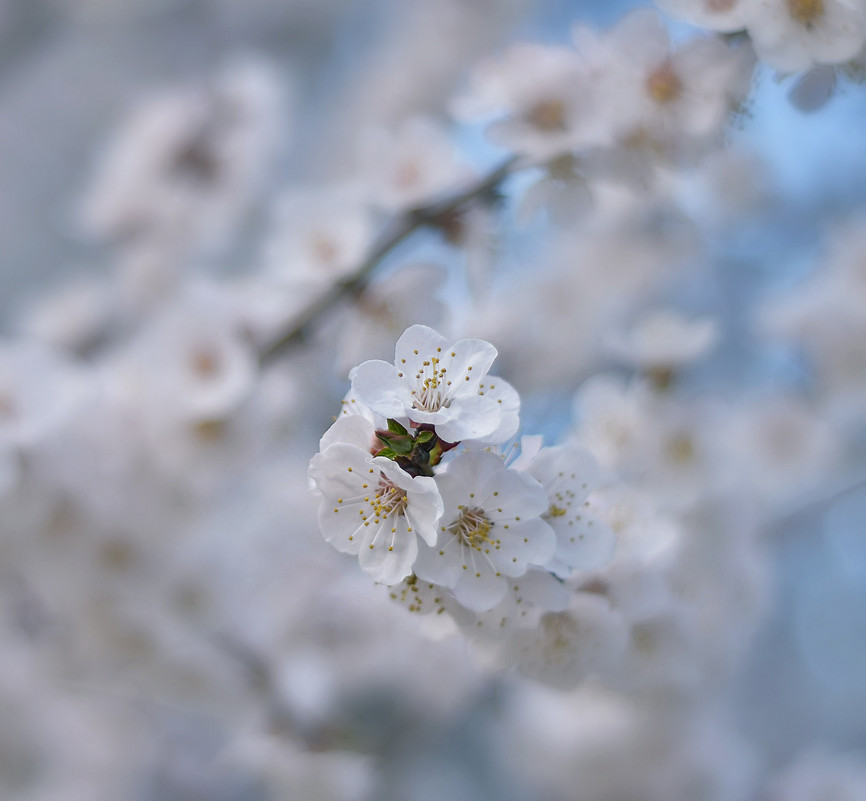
x: 174, y: 627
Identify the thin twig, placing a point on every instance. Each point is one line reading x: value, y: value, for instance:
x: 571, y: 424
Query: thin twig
x: 397, y: 230
x: 817, y: 506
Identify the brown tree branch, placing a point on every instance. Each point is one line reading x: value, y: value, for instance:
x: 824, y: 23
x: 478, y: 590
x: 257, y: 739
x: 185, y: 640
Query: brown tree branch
x: 396, y: 231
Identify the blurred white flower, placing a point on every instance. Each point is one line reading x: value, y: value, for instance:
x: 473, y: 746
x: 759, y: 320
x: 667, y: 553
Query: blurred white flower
x: 318, y: 235
x: 677, y: 98
x: 568, y: 474
x: 526, y: 600
x: 663, y: 339
x: 187, y: 162
x: 40, y: 390
x: 412, y: 164
x: 568, y: 646
x: 192, y: 363
x: 794, y: 35
x: 783, y: 447
x: 546, y: 101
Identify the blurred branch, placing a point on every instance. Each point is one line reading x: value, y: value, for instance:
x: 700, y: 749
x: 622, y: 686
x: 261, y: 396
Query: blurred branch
x: 398, y: 229
x: 818, y: 505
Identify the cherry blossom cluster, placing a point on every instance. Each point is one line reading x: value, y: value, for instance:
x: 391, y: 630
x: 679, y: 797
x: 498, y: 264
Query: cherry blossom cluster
x: 416, y: 480
x: 790, y: 35
x: 173, y: 626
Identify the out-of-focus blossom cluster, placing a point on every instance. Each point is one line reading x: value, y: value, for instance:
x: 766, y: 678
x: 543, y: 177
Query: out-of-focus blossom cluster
x: 286, y: 343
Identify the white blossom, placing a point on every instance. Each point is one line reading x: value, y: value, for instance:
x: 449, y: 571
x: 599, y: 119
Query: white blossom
x: 569, y: 645
x: 550, y: 98
x: 794, y: 35
x: 491, y: 528
x: 372, y: 508
x: 40, y: 390
x: 318, y: 235
x: 568, y: 474
x: 410, y: 165
x: 443, y: 384
x: 663, y: 339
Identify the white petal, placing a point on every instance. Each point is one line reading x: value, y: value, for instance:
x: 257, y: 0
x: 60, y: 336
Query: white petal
x: 350, y: 428
x: 568, y: 470
x: 522, y: 543
x: 379, y: 386
x: 439, y: 564
x: 587, y: 544
x: 480, y: 590
x: 472, y: 417
x: 389, y: 555
x: 415, y: 346
x: 471, y: 359
x: 543, y: 590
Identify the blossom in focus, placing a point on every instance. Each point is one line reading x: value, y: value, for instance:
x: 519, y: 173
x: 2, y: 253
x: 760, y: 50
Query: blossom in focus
x: 369, y: 506
x: 435, y: 382
x: 491, y: 528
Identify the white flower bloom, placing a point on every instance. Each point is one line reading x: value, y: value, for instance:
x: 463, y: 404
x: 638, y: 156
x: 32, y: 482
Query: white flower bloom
x: 569, y: 645
x: 782, y: 447
x: 491, y: 529
x: 405, y: 167
x: 663, y: 340
x: 192, y: 363
x: 187, y: 161
x: 39, y: 392
x: 794, y: 35
x: 678, y: 96
x: 568, y: 473
x: 612, y: 420
x: 319, y: 235
x: 527, y: 598
x: 370, y: 507
x: 440, y: 383
x: 551, y: 98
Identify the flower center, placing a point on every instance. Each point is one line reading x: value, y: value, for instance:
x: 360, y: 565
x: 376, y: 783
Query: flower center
x: 663, y: 84
x: 681, y: 448
x: 559, y: 632
x: 197, y: 160
x: 473, y: 526
x: 806, y: 12
x: 430, y: 396
x: 719, y: 6
x: 205, y: 363
x: 388, y: 499
x: 324, y: 249
x: 548, y: 115
x: 407, y: 175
